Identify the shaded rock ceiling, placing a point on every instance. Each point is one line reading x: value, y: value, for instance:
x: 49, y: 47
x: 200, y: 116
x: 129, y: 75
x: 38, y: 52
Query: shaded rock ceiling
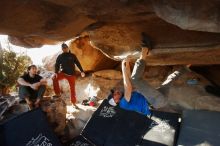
x: 182, y: 31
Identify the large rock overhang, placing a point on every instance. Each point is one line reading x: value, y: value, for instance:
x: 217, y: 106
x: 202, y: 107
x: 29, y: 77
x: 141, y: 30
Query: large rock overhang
x: 182, y: 31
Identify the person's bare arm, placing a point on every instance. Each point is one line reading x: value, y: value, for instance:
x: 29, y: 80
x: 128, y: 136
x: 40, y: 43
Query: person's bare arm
x: 34, y: 86
x: 76, y: 61
x: 22, y: 82
x: 43, y: 82
x: 126, y: 79
x: 128, y: 69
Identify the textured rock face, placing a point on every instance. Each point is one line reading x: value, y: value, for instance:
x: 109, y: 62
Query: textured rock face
x: 183, y: 14
x: 210, y: 72
x: 40, y: 19
x: 49, y: 62
x: 108, y: 74
x: 90, y: 58
x: 171, y: 44
x: 183, y: 93
x: 181, y: 31
x: 56, y: 113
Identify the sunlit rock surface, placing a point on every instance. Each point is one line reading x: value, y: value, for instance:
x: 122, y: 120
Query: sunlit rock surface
x: 188, y: 92
x: 49, y: 61
x: 108, y: 74
x: 90, y: 58
x: 56, y: 113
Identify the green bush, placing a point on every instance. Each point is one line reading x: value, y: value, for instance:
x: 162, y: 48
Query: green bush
x: 12, y: 66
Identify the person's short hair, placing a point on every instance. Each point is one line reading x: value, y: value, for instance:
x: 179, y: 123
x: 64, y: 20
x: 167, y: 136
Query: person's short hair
x: 30, y: 66
x: 64, y: 46
x: 146, y: 41
x: 120, y: 89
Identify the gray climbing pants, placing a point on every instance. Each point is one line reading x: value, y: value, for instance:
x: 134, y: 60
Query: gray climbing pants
x: 153, y: 96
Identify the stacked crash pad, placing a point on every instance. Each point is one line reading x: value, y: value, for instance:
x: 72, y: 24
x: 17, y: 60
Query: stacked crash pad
x: 28, y: 129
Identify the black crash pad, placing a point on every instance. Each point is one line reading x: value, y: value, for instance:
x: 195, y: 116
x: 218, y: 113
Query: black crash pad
x: 128, y: 129
x: 200, y: 128
x: 163, y: 130
x: 28, y: 129
x: 113, y: 126
x: 79, y: 141
x: 100, y: 124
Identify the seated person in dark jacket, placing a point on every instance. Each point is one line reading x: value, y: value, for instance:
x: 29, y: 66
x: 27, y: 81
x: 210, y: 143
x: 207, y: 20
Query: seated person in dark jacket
x: 31, y: 87
x: 131, y: 100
